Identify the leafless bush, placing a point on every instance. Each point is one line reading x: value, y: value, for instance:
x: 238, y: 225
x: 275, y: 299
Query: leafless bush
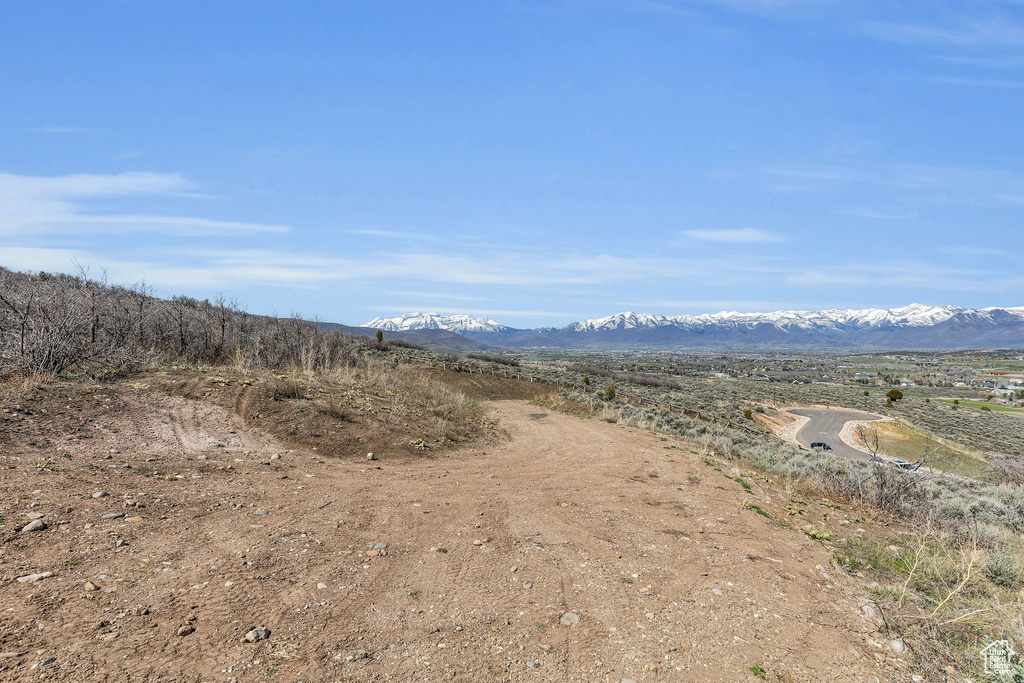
x: 500, y: 360
x: 331, y: 409
x: 402, y: 344
x: 287, y: 388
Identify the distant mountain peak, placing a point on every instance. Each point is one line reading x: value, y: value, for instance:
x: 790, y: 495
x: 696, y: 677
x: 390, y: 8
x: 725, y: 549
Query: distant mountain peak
x: 433, y: 321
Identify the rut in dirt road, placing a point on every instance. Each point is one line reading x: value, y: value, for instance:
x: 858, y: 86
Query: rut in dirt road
x: 674, y: 577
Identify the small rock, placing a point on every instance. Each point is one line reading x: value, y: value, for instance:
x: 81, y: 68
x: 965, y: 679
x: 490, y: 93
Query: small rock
x: 434, y: 629
x: 134, y: 519
x: 48, y: 661
x: 186, y: 630
x: 32, y: 578
x: 530, y: 664
x: 100, y: 494
x: 90, y: 586
x: 275, y: 456
x: 321, y: 585
x: 114, y: 450
x: 869, y: 610
x: 717, y: 591
x: 113, y: 515
x: 257, y: 634
x: 514, y: 569
x: 897, y: 646
x: 371, y: 456
x: 569, y: 619
x: 478, y: 542
x: 34, y: 525
x: 527, y: 586
x: 380, y: 546
x: 35, y: 515
x: 260, y: 512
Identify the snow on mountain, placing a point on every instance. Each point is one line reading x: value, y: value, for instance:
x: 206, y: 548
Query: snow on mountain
x: 914, y: 315
x: 915, y: 325
x: 620, y: 321
x: 433, y: 321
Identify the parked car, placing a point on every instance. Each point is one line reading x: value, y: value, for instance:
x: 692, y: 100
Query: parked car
x: 902, y: 464
x: 822, y: 445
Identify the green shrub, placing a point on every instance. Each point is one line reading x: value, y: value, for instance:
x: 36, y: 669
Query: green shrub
x: 894, y: 395
x: 609, y: 393
x: 1001, y: 569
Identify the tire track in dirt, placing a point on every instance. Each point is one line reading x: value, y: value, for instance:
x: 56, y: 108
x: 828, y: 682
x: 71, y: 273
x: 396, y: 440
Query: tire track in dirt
x: 582, y: 508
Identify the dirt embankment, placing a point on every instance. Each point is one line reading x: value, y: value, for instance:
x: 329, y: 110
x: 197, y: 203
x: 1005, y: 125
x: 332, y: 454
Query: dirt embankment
x: 572, y: 550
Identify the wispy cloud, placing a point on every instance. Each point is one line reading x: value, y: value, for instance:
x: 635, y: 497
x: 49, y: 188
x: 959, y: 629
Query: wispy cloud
x: 220, y: 268
x: 958, y: 30
x: 739, y: 236
x: 880, y: 215
x: 1004, y: 83
x: 972, y: 251
x: 403, y: 235
x: 698, y: 306
x: 62, y: 130
x: 34, y: 205
x: 908, y: 184
x: 909, y: 275
x: 488, y: 312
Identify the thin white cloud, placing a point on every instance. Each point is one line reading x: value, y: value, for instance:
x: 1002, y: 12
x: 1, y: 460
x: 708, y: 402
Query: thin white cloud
x: 906, y: 275
x: 910, y: 184
x: 1004, y: 83
x: 403, y: 235
x: 697, y: 306
x: 739, y: 236
x: 62, y: 130
x: 876, y: 214
x: 972, y: 251
x: 248, y: 267
x: 488, y: 312
x: 959, y: 31
x: 34, y: 205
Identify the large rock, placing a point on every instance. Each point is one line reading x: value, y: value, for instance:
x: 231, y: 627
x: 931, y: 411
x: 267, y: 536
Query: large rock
x: 569, y: 619
x: 257, y: 634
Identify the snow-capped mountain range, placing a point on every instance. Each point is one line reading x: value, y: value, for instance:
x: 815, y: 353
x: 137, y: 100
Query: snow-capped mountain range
x: 433, y: 321
x: 913, y: 326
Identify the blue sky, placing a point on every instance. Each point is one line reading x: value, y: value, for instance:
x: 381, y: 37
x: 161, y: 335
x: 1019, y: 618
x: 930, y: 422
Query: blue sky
x: 539, y: 162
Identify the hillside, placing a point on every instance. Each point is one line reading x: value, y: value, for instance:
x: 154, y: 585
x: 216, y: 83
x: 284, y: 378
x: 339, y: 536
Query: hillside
x: 549, y: 548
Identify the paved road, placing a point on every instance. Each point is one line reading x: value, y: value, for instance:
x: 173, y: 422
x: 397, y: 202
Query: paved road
x: 826, y: 424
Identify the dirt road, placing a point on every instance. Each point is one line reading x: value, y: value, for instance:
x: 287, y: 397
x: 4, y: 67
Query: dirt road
x: 492, y: 553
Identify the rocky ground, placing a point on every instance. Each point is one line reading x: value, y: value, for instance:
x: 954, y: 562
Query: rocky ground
x: 179, y: 540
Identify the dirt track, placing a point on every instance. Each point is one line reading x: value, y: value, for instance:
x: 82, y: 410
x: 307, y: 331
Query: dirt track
x: 672, y: 579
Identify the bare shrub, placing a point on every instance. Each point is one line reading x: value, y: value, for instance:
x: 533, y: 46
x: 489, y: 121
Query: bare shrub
x: 285, y: 388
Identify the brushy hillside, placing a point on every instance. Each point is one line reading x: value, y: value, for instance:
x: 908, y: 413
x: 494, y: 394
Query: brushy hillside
x: 56, y: 324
